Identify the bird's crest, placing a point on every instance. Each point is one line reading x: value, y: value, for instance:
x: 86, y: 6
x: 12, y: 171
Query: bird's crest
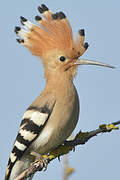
x: 53, y: 32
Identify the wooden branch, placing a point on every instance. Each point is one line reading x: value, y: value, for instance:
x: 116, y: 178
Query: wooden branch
x: 80, y: 139
x: 83, y: 137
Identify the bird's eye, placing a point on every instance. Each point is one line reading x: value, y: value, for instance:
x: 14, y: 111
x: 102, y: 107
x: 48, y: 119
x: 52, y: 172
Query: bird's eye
x: 62, y: 58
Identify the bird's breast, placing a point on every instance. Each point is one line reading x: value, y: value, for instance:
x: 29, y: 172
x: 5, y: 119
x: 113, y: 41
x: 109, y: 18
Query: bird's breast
x: 61, y: 123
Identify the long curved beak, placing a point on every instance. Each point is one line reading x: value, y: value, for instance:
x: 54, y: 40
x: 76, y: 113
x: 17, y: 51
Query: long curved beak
x: 90, y: 62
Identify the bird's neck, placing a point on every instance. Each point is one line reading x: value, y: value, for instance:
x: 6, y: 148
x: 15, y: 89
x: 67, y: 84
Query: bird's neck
x: 60, y: 83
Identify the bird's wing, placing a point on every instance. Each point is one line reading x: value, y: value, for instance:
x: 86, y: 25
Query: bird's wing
x: 33, y: 121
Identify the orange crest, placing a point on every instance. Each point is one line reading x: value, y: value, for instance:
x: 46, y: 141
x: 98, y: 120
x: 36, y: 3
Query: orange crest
x: 53, y: 32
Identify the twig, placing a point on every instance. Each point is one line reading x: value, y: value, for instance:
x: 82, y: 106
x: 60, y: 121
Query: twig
x: 67, y: 170
x: 80, y: 139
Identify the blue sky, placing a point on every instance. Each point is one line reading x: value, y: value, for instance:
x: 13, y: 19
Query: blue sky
x: 21, y: 78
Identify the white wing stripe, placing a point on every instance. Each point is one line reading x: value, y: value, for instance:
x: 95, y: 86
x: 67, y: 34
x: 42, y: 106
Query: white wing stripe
x: 28, y: 114
x: 27, y: 135
x: 13, y: 157
x: 37, y: 117
x: 20, y: 146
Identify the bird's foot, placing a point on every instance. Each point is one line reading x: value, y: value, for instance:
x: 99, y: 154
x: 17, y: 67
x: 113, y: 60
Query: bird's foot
x: 41, y: 160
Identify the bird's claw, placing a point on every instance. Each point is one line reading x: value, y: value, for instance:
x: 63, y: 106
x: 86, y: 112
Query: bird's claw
x: 41, y: 160
x: 44, y: 162
x: 59, y: 158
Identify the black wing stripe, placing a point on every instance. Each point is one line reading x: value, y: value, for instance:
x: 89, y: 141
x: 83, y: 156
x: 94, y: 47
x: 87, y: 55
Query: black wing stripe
x: 32, y: 127
x: 17, y: 151
x: 22, y: 140
x: 8, y: 171
x: 44, y: 109
x: 24, y: 121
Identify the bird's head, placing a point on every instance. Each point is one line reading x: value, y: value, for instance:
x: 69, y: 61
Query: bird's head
x: 52, y: 41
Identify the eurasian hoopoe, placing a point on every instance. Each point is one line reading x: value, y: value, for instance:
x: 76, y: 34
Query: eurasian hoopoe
x: 52, y: 117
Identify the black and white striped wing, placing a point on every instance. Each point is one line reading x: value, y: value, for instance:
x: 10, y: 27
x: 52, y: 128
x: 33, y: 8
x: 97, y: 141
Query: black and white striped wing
x: 32, y: 123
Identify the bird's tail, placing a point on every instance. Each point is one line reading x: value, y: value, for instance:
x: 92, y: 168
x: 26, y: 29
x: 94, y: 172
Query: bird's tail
x: 9, y: 168
x: 17, y: 169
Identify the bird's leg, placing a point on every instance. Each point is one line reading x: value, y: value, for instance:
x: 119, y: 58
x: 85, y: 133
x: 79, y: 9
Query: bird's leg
x: 41, y: 160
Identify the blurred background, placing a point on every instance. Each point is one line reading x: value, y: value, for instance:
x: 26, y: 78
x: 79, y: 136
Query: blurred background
x: 22, y: 80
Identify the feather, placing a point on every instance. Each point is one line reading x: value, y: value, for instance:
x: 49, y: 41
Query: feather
x: 33, y: 121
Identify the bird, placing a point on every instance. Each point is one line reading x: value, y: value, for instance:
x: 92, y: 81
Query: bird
x: 54, y: 114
